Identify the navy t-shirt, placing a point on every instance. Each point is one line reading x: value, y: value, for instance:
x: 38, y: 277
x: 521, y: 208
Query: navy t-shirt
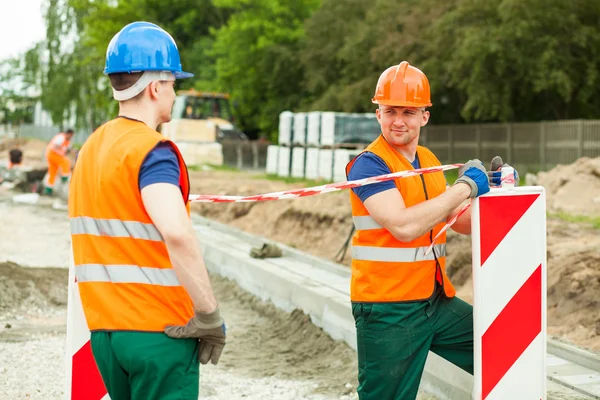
x: 367, y: 165
x: 161, y: 165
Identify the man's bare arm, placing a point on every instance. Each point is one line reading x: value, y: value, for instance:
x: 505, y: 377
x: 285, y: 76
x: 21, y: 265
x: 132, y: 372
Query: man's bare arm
x: 406, y: 224
x: 166, y: 209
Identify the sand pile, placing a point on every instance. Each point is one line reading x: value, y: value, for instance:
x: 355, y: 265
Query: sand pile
x: 573, y: 188
x: 33, y: 151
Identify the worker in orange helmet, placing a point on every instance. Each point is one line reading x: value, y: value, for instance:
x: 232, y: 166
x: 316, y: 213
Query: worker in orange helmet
x: 56, y: 156
x: 403, y: 303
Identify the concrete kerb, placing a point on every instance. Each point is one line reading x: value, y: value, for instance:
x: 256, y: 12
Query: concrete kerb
x: 291, y: 282
x: 288, y: 251
x: 574, y: 354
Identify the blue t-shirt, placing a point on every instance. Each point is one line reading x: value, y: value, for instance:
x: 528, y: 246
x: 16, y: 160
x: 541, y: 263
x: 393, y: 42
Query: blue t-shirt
x: 368, y: 165
x: 161, y: 165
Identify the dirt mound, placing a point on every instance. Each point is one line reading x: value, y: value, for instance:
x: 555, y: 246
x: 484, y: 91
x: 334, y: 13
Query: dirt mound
x: 573, y: 188
x: 33, y: 151
x: 299, y: 350
x: 11, y: 143
x: 22, y: 287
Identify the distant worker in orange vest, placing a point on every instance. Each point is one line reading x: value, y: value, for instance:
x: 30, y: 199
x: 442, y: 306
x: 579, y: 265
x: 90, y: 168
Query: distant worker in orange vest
x: 144, y: 287
x: 56, y: 156
x: 402, y: 300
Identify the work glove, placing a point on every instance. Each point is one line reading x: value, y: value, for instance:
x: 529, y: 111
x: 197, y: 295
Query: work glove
x: 209, y: 329
x: 495, y: 172
x: 473, y: 173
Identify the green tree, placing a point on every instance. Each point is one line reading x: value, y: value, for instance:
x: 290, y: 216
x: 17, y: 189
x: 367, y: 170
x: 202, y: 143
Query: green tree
x: 256, y: 55
x: 519, y: 60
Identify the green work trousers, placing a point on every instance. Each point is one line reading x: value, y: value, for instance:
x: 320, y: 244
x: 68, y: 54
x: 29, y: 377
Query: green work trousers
x: 147, y: 365
x: 393, y: 340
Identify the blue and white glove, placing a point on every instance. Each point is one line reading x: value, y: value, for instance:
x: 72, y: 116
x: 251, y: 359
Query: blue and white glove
x: 495, y: 172
x: 473, y: 173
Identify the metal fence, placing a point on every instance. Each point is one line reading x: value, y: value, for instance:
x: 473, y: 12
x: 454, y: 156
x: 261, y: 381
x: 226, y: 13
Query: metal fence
x: 46, y: 133
x: 530, y: 147
x: 241, y: 154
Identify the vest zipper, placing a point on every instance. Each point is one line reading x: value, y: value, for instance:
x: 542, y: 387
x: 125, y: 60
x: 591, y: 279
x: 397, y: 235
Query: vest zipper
x: 437, y: 263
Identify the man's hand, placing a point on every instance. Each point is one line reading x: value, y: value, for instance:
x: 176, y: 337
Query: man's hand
x: 209, y: 329
x: 473, y: 173
x: 495, y: 172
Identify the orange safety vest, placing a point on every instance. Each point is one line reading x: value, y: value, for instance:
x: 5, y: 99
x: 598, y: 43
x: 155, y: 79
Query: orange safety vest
x: 385, y: 269
x: 125, y: 277
x: 55, y: 140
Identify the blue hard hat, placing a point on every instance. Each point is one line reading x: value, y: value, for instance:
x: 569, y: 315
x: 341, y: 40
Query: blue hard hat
x: 143, y: 46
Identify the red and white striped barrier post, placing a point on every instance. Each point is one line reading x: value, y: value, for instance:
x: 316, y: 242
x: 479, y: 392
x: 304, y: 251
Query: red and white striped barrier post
x: 83, y: 378
x: 509, y: 280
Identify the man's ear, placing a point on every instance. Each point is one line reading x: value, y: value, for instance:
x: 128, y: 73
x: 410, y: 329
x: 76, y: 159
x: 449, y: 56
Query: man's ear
x: 154, y: 89
x: 425, y: 119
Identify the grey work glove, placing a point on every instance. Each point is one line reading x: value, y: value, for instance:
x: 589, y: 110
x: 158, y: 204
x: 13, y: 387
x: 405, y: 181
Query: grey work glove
x: 495, y: 172
x: 209, y: 329
x: 473, y: 173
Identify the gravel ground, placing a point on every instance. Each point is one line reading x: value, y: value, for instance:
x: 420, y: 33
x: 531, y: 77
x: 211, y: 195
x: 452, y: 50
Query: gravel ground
x: 270, y: 354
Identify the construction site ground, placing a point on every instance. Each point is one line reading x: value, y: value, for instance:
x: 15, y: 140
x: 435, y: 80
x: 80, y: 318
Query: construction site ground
x: 321, y: 224
x: 271, y: 354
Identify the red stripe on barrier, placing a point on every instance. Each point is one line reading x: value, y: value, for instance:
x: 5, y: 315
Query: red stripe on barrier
x: 86, y: 383
x: 519, y: 323
x: 497, y: 216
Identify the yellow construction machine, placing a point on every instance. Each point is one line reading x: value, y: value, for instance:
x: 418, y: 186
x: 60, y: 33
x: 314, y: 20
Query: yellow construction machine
x: 200, y: 122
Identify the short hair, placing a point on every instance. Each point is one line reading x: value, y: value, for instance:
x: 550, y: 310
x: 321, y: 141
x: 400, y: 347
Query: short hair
x: 125, y: 80
x: 69, y: 131
x: 16, y: 156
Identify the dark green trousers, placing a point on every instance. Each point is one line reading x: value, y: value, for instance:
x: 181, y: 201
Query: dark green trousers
x: 147, y: 365
x: 393, y: 340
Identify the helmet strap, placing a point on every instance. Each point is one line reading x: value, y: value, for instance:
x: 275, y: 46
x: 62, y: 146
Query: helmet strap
x: 145, y: 79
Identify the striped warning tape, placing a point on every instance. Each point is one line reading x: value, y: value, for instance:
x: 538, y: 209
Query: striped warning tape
x: 311, y: 191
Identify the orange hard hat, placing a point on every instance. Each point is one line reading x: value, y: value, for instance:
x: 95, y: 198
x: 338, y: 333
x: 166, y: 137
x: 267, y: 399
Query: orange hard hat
x: 402, y: 85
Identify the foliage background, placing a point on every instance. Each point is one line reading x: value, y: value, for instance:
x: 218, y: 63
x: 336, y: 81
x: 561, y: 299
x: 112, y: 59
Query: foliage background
x: 487, y: 60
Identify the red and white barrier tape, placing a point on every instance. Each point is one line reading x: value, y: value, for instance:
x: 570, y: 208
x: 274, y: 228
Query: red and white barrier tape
x: 311, y: 191
x: 332, y: 187
x: 448, y: 225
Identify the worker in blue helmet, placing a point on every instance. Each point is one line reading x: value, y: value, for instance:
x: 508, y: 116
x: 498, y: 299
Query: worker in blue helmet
x: 145, y: 290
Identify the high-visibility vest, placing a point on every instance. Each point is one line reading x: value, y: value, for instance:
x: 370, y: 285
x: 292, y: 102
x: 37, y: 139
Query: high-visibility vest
x: 385, y: 269
x: 60, y: 138
x: 125, y: 277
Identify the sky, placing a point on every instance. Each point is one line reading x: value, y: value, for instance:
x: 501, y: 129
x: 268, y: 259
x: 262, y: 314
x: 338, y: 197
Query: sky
x: 21, y: 25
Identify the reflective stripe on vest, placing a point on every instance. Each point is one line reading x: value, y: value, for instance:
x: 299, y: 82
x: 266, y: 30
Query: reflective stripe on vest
x: 365, y: 223
x: 126, y: 274
x: 114, y: 228
x: 397, y: 254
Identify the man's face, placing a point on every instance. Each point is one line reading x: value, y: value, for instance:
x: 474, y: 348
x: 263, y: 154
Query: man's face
x: 165, y: 99
x: 401, y: 125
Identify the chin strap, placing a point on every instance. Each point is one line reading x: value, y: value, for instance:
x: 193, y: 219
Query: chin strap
x: 137, y: 88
